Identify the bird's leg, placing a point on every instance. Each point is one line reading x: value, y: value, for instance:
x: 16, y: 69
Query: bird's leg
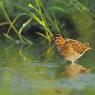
x: 73, y: 62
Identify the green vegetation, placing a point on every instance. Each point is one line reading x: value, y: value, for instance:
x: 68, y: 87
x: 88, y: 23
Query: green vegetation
x: 67, y: 17
x: 28, y: 63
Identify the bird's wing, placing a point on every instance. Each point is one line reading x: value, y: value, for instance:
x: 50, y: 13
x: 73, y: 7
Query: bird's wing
x: 76, y: 45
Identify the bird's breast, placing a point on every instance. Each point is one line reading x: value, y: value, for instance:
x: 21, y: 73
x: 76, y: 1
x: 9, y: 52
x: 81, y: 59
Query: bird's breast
x: 60, y: 51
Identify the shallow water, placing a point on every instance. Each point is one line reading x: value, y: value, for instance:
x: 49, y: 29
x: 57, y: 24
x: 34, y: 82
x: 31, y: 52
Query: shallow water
x: 21, y: 73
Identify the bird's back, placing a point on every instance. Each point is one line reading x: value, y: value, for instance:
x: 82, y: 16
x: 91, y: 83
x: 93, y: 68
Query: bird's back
x: 76, y: 46
x: 71, y: 48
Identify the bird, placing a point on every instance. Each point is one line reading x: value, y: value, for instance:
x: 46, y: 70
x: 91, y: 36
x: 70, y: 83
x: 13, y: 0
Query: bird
x: 69, y: 49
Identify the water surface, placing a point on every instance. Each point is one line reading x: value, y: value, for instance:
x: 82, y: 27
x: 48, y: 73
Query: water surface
x: 21, y: 73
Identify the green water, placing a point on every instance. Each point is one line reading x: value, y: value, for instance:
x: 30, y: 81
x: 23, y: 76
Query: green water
x: 21, y: 73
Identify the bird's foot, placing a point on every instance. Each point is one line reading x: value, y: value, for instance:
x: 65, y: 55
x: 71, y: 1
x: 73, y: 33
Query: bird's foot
x: 73, y: 63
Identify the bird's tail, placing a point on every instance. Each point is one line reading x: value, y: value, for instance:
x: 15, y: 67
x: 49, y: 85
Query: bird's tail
x: 87, y: 46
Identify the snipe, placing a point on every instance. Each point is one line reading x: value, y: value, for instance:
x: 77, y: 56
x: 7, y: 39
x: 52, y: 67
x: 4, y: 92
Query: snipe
x: 69, y: 49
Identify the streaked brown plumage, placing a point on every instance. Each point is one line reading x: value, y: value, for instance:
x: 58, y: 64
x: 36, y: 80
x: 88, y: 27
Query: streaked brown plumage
x: 70, y: 49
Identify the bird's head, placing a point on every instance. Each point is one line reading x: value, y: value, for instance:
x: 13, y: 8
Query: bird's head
x: 58, y: 39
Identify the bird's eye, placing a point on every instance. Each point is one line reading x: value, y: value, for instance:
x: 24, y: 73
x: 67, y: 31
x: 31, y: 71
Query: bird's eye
x: 58, y: 41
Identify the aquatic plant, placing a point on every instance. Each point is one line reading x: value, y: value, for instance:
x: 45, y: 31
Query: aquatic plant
x: 11, y: 25
x: 75, y: 11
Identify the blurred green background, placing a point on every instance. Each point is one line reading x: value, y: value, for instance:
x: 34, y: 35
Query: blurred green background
x: 26, y: 28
